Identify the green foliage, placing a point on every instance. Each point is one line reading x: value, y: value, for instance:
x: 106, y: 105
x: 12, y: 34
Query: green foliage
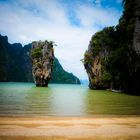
x: 102, y: 40
x: 61, y: 76
x: 106, y: 76
x: 36, y: 52
x: 88, y: 57
x: 17, y: 66
x: 51, y: 44
x: 14, y: 62
x: 120, y: 62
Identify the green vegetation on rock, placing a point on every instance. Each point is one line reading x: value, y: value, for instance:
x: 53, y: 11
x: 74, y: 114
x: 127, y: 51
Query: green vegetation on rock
x: 36, y: 53
x: 60, y: 75
x: 112, y: 60
x: 16, y: 64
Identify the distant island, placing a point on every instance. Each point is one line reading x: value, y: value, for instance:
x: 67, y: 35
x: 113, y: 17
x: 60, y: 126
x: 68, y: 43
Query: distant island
x: 16, y: 65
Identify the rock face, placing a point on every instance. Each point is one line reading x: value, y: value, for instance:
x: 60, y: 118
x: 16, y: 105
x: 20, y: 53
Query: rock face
x: 137, y: 27
x: 112, y: 59
x: 97, y: 51
x: 15, y: 63
x: 42, y: 62
x: 94, y: 72
x: 20, y: 70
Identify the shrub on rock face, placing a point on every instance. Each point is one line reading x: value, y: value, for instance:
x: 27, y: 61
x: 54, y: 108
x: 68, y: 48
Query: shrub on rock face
x: 36, y: 53
x: 42, y: 62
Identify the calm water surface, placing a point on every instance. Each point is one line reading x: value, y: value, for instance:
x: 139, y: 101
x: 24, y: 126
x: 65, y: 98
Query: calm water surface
x: 24, y: 99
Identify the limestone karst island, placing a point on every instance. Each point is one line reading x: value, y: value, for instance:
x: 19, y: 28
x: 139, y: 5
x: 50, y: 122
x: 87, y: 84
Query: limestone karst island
x: 70, y: 70
x: 42, y: 62
x: 112, y: 60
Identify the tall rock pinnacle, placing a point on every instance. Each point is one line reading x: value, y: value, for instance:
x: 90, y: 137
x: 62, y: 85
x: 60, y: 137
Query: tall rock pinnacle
x: 42, y: 62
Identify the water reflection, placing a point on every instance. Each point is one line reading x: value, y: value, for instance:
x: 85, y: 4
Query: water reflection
x: 38, y: 101
x: 105, y: 102
x: 63, y: 100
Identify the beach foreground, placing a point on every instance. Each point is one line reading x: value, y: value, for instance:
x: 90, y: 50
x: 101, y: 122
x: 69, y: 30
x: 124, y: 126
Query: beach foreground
x: 73, y: 128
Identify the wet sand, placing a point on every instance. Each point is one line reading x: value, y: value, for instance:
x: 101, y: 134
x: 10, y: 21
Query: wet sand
x: 70, y: 128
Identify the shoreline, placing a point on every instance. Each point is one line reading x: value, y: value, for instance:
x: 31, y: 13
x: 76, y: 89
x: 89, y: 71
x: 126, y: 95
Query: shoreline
x: 69, y: 116
x: 52, y: 128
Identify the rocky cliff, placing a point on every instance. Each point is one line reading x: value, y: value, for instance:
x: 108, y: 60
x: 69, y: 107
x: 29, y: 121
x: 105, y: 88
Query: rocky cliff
x: 112, y: 59
x: 14, y: 62
x: 137, y: 27
x: 42, y: 62
x: 20, y: 70
x: 97, y: 53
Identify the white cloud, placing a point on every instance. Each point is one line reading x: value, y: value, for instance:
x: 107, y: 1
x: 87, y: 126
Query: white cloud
x: 39, y: 20
x: 90, y: 17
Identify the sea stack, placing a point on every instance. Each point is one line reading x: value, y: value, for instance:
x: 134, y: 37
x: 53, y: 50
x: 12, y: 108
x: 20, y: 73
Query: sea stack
x: 42, y: 55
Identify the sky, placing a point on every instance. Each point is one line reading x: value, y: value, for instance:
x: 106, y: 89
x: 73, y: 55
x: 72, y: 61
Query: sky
x: 69, y: 23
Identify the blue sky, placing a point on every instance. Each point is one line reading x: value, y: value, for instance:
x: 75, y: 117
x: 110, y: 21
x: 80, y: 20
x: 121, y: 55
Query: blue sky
x: 69, y: 23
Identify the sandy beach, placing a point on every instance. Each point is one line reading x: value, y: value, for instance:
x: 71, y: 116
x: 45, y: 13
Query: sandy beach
x: 70, y: 128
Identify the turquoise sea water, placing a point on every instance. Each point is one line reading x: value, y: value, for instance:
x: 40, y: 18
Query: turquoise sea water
x: 24, y: 99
